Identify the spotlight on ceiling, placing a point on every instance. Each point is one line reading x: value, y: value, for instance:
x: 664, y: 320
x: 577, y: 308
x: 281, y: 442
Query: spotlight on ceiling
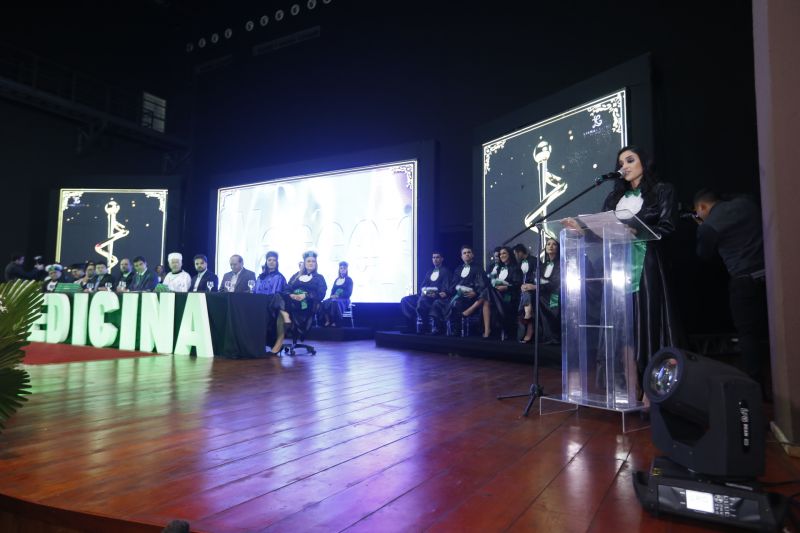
x: 279, y: 15
x: 311, y: 4
x: 294, y: 10
x: 202, y: 42
x: 264, y: 20
x: 708, y: 420
x: 214, y: 38
x: 249, y: 25
x: 228, y: 33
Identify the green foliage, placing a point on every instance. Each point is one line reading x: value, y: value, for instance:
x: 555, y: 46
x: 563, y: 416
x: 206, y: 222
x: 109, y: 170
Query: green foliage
x: 20, y: 306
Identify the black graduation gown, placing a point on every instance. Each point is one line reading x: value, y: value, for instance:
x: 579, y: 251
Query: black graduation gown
x: 550, y: 302
x: 331, y: 310
x: 472, y: 276
x: 302, y: 312
x: 655, y: 323
x: 127, y: 278
x: 418, y: 305
x: 99, y: 282
x: 505, y: 304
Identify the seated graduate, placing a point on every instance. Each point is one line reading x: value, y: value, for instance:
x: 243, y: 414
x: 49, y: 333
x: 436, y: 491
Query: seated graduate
x: 144, y: 279
x: 204, y: 280
x: 467, y: 283
x: 88, y: 274
x: 501, y: 297
x: 330, y: 310
x: 417, y: 307
x: 125, y: 277
x: 527, y: 290
x: 177, y: 280
x: 270, y: 281
x: 303, y: 294
x: 237, y: 279
x: 549, y: 289
x: 102, y: 280
x: 54, y: 273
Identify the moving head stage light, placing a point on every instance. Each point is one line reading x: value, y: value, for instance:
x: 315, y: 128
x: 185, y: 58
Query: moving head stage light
x: 708, y: 419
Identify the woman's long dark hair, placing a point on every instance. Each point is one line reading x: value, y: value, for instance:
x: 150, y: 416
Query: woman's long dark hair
x: 558, y: 250
x: 512, y: 259
x: 649, y: 178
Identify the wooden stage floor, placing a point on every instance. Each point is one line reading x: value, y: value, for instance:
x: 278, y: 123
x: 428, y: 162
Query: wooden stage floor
x: 357, y: 438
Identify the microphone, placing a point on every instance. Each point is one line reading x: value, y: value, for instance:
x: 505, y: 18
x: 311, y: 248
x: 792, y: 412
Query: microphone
x: 616, y: 175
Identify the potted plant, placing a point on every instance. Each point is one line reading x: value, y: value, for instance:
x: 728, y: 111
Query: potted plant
x: 20, y: 306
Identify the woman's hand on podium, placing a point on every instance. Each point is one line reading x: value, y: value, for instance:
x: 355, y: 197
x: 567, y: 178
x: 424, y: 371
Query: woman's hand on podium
x: 571, y: 223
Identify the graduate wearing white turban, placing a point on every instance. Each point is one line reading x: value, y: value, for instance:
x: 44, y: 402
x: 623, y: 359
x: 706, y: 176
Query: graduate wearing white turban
x: 177, y: 280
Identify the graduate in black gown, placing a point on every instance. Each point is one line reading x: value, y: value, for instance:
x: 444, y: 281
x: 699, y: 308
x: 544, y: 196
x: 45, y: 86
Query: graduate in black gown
x: 550, y: 293
x: 527, y: 290
x: 303, y: 294
x: 641, y: 192
x: 467, y: 283
x: 330, y: 310
x: 501, y: 296
x: 417, y: 307
x: 271, y: 281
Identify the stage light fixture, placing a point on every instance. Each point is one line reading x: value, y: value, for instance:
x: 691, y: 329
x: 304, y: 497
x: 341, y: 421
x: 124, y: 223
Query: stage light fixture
x: 708, y: 420
x: 214, y: 38
x: 228, y: 33
x: 294, y: 10
x: 264, y: 20
x: 249, y: 25
x: 311, y: 4
x: 706, y: 415
x: 326, y: 1
x: 279, y: 15
x: 202, y: 42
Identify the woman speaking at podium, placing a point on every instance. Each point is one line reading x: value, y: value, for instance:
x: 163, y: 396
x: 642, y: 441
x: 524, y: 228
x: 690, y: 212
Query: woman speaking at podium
x: 653, y: 202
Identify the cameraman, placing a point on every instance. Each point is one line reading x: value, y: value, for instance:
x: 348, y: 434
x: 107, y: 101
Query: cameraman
x: 732, y: 228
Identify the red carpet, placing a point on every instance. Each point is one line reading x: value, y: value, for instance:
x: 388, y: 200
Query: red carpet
x: 41, y: 353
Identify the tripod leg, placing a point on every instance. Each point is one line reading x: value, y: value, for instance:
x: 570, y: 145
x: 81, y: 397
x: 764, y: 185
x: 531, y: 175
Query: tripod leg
x: 536, y: 392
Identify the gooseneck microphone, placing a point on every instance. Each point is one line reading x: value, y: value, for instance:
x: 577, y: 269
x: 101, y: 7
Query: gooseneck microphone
x: 616, y: 175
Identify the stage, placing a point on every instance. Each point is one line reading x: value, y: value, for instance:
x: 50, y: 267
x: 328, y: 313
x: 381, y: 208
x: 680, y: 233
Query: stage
x: 357, y: 437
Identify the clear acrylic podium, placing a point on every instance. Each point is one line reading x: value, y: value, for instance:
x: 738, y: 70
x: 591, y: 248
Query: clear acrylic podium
x: 597, y: 322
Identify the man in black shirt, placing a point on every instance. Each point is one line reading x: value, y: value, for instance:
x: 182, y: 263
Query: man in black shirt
x: 14, y: 269
x: 732, y: 228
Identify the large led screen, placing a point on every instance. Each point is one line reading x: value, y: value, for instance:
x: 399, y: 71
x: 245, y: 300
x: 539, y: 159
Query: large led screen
x: 532, y: 171
x: 111, y: 224
x: 365, y: 216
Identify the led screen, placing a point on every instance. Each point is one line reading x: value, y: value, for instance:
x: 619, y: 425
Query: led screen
x: 365, y: 216
x: 534, y: 170
x: 111, y: 224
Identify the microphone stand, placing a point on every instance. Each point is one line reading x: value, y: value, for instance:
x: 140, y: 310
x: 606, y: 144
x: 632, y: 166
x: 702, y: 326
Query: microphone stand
x: 536, y: 390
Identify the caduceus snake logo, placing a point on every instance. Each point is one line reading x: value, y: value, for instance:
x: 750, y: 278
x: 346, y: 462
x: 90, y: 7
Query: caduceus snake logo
x: 116, y: 231
x: 550, y: 186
